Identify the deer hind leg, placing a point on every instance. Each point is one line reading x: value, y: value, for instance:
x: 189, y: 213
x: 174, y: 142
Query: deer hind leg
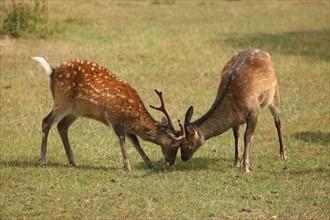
x: 52, y: 118
x: 63, y: 127
x: 275, y: 112
x: 120, y: 132
x: 237, y: 151
x: 248, y: 136
x: 138, y: 147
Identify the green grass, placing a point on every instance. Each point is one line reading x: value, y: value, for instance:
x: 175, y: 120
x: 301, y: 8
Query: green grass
x: 180, y: 48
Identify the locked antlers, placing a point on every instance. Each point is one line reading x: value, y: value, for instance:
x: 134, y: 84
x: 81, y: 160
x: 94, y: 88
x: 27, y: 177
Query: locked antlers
x: 162, y: 108
x: 170, y: 125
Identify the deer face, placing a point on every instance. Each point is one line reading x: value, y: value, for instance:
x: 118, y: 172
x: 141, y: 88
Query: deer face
x: 169, y: 143
x: 169, y: 154
x: 192, y: 138
x: 192, y: 141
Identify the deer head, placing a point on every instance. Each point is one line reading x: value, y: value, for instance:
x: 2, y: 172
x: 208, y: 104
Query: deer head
x: 169, y: 146
x: 191, y: 138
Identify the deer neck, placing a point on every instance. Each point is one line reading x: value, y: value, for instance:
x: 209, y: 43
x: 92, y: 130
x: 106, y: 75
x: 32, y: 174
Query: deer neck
x: 216, y: 121
x: 149, y: 129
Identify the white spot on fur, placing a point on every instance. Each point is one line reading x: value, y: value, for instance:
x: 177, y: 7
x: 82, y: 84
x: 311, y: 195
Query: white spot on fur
x: 121, y: 96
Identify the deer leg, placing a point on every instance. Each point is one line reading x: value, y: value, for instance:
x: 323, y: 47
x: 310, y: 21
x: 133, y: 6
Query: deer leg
x: 46, y: 125
x: 248, y: 136
x: 279, y: 133
x: 119, y: 130
x: 138, y: 147
x: 237, y: 153
x: 63, y: 127
x: 52, y: 118
x: 275, y: 112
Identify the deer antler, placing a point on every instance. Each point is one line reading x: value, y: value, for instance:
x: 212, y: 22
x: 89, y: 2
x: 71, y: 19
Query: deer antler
x: 182, y: 135
x: 162, y: 108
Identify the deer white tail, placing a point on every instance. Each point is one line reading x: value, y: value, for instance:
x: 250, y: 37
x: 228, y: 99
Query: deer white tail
x: 44, y: 64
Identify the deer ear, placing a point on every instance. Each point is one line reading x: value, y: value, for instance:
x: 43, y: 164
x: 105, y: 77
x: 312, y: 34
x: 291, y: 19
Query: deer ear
x: 188, y: 115
x: 192, y: 131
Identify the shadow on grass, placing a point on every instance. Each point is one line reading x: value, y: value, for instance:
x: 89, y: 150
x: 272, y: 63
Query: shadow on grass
x: 313, y: 137
x: 312, y: 44
x: 196, y: 163
x: 30, y: 164
x: 308, y: 171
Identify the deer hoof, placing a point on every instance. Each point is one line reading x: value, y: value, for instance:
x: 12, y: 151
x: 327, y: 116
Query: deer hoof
x: 43, y: 163
x: 247, y: 169
x: 74, y: 165
x: 237, y: 163
x: 127, y: 167
x: 151, y: 166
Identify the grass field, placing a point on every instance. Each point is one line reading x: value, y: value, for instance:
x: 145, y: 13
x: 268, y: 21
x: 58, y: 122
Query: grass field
x: 180, y: 48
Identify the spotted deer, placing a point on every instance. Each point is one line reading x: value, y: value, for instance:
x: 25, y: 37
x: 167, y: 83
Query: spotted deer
x: 85, y: 89
x: 248, y: 84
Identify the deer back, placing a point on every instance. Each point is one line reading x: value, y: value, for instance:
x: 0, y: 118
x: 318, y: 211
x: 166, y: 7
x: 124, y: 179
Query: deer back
x: 253, y: 79
x: 90, y: 90
x: 247, y: 81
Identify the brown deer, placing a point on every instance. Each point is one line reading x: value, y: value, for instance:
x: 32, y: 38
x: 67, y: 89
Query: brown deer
x: 248, y: 84
x: 86, y: 89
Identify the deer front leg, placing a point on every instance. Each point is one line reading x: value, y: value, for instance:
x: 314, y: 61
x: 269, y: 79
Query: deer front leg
x: 138, y: 147
x: 63, y: 127
x: 119, y: 130
x: 237, y: 151
x: 248, y: 136
x: 127, y: 164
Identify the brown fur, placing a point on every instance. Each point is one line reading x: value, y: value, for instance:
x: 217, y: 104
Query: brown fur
x: 86, y: 89
x: 248, y: 84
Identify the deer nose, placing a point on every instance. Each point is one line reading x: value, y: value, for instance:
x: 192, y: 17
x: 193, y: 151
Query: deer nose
x: 170, y: 163
x: 185, y: 157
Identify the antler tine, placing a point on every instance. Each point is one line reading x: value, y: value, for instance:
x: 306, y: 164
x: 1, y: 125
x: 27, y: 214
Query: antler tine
x: 182, y: 135
x: 162, y: 108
